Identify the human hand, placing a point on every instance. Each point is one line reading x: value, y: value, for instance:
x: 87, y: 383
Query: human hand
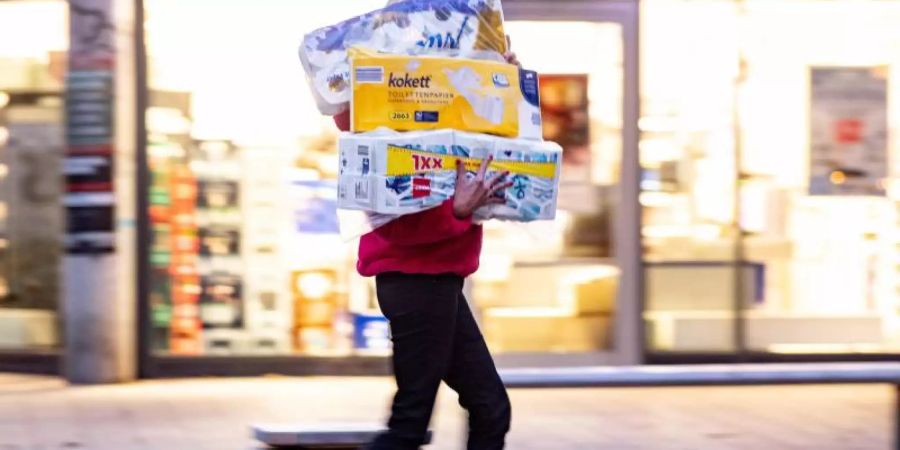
x: 471, y: 194
x: 510, y: 56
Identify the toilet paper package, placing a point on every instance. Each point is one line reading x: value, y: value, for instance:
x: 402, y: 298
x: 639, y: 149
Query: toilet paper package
x: 370, y: 180
x: 364, y: 154
x: 406, y: 93
x: 459, y: 28
x: 532, y: 196
x: 404, y: 173
x: 474, y: 145
x: 396, y: 195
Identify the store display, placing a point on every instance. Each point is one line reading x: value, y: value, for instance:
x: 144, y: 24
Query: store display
x: 221, y: 301
x: 402, y: 173
x: 221, y: 282
x: 216, y: 166
x: 185, y: 336
x: 224, y: 342
x: 186, y: 327
x: 161, y: 303
x: 32, y: 216
x: 267, y: 304
x: 409, y: 93
x: 218, y: 194
x: 471, y: 28
x: 268, y: 342
x: 175, y: 246
x: 265, y: 309
x: 220, y: 240
x: 316, y: 303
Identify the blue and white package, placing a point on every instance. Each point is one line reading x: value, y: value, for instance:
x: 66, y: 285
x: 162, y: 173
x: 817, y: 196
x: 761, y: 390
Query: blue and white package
x: 411, y: 172
x: 464, y: 28
x: 473, y: 145
x: 363, y: 172
x: 529, y: 198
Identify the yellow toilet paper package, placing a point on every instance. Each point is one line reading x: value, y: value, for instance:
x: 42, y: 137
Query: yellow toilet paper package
x: 411, y: 93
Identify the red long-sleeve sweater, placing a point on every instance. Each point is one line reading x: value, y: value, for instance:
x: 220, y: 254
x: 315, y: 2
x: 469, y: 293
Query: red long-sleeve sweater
x: 429, y: 242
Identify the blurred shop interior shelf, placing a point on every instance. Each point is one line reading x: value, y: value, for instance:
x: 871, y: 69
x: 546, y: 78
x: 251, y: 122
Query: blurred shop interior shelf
x: 713, y: 331
x: 28, y: 328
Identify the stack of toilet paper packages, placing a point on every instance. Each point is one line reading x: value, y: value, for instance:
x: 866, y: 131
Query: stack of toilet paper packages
x: 461, y: 28
x: 392, y: 173
x: 411, y: 93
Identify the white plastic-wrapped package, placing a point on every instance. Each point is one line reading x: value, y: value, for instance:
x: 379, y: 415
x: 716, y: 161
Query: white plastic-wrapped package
x: 464, y: 28
x: 534, y: 173
x: 365, y: 180
x: 389, y: 174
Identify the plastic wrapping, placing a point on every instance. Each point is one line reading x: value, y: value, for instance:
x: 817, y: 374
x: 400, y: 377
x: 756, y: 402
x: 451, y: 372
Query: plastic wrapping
x: 388, y: 174
x: 464, y: 28
x: 412, y: 93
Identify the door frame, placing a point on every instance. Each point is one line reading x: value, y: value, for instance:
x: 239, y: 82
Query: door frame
x: 628, y: 325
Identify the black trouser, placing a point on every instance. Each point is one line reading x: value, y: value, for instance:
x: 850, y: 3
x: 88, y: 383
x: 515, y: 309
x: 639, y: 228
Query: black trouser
x: 436, y: 338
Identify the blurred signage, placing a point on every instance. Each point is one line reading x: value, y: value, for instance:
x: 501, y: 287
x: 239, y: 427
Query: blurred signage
x: 91, y: 34
x: 564, y: 107
x: 88, y: 166
x: 371, y: 332
x: 848, y: 126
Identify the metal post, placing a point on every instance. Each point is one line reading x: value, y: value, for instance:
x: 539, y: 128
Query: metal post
x: 98, y: 269
x: 631, y: 329
x: 738, y: 255
x: 142, y: 207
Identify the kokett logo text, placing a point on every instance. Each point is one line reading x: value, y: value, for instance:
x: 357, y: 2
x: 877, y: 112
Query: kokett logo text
x: 406, y: 81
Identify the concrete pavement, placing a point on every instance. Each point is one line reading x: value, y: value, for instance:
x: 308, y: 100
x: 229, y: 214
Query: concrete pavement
x: 43, y: 413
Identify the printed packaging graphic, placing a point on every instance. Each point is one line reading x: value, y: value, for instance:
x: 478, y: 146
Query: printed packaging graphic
x: 359, y: 152
x: 408, y: 93
x: 402, y: 173
x: 464, y: 28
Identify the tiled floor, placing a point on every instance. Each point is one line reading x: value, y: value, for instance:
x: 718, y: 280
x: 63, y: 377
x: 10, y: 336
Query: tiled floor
x: 206, y: 414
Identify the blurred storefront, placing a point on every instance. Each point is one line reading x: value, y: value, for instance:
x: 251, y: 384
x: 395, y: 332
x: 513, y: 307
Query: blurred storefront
x: 749, y: 212
x: 248, y: 270
x: 33, y: 43
x: 769, y: 194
